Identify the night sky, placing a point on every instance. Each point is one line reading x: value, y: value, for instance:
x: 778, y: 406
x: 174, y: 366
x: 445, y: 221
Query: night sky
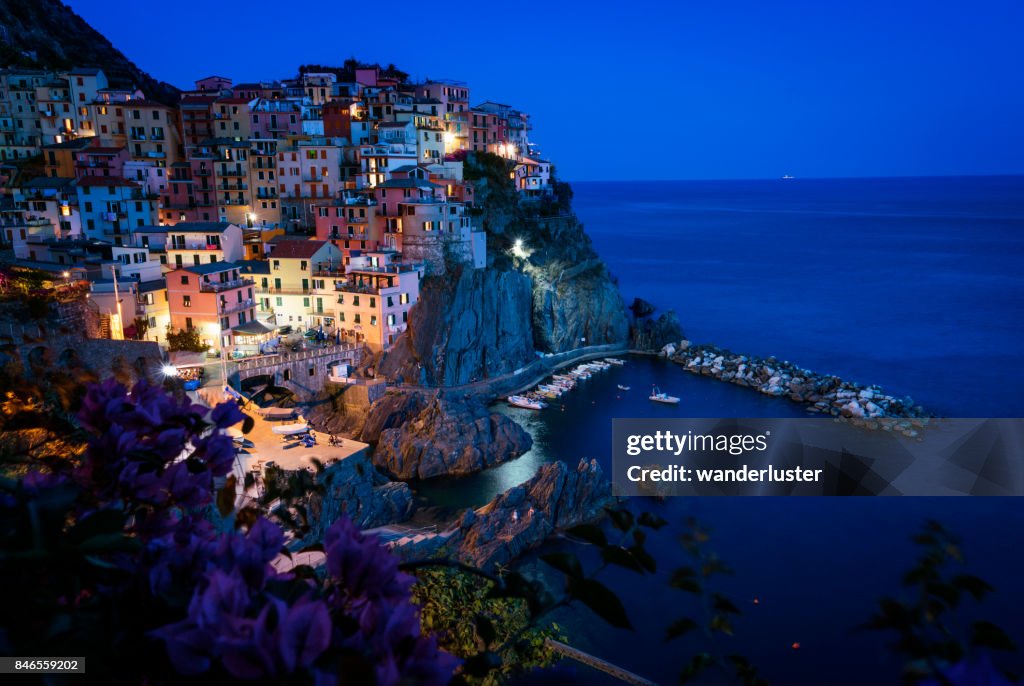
x: 655, y: 90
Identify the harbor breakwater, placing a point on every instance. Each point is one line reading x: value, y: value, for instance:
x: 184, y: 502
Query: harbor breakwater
x: 863, y: 405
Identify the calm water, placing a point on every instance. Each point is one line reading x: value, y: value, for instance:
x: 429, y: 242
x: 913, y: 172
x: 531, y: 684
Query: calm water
x: 915, y: 284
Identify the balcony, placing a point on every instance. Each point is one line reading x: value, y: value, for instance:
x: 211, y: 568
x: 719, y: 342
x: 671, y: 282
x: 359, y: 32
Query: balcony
x: 231, y: 308
x: 285, y: 291
x: 218, y: 286
x: 353, y: 236
x: 238, y: 186
x: 233, y: 172
x: 201, y: 172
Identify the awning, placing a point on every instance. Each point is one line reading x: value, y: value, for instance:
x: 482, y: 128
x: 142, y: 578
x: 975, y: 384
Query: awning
x: 253, y: 328
x: 184, y: 358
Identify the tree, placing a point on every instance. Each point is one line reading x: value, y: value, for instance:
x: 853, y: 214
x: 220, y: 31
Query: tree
x: 185, y: 340
x: 141, y: 325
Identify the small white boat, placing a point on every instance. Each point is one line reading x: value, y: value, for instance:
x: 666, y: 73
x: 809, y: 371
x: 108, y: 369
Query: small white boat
x: 291, y: 429
x: 526, y: 403
x: 623, y: 388
x: 614, y: 360
x: 662, y: 397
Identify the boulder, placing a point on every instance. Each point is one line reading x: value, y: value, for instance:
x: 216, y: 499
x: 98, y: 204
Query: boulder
x: 443, y: 436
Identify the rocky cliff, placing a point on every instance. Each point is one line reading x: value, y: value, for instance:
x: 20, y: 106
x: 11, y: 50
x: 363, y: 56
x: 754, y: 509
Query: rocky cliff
x: 558, y: 497
x: 353, y: 487
x: 544, y: 290
x: 470, y: 324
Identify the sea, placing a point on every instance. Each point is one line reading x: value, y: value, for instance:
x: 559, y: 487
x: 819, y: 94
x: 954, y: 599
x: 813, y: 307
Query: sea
x: 915, y: 284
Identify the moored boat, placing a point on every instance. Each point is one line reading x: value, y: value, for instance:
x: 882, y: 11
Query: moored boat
x: 623, y: 388
x: 659, y: 396
x: 526, y: 402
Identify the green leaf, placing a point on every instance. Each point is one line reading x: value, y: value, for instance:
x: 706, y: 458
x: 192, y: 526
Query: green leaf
x: 650, y: 521
x: 565, y: 563
x: 977, y: 587
x: 684, y: 579
x: 590, y: 533
x: 945, y: 592
x: 723, y: 604
x: 644, y: 558
x: 602, y: 601
x: 679, y: 628
x: 621, y: 557
x: 621, y: 519
x: 697, y: 664
x: 102, y: 522
x: 226, y: 496
x: 988, y: 635
x: 721, y: 623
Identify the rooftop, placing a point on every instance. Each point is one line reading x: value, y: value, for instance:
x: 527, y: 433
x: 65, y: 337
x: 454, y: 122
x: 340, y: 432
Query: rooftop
x: 198, y: 227
x: 296, y: 248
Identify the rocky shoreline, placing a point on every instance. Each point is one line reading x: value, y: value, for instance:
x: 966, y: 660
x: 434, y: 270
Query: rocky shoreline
x: 863, y: 405
x: 556, y: 498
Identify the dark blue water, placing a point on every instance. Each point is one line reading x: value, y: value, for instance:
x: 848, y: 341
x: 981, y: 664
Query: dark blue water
x: 915, y: 284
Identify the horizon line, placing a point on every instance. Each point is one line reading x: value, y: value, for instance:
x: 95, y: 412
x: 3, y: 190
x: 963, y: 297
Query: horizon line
x: 807, y: 178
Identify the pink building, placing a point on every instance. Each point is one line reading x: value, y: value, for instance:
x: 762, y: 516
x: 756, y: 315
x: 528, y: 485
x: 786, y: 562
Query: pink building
x: 275, y: 118
x: 350, y: 224
x: 100, y: 161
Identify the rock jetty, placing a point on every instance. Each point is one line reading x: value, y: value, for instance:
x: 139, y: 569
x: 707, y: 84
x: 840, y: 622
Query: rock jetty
x: 558, y: 497
x: 825, y: 393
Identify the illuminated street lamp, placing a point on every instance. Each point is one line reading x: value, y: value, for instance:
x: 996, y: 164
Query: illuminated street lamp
x: 169, y: 370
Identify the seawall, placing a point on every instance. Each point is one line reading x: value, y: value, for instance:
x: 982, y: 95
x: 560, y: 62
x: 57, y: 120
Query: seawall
x: 864, y: 405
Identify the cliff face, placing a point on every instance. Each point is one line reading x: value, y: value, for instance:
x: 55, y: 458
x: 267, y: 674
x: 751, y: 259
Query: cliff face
x: 544, y: 290
x: 471, y: 324
x: 60, y: 39
x: 575, y: 300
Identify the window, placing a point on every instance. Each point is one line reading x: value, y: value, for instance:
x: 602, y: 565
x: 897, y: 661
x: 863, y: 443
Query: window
x: 188, y: 324
x: 184, y: 280
x: 187, y: 301
x: 355, y: 301
x: 303, y: 265
x: 373, y: 302
x: 355, y: 318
